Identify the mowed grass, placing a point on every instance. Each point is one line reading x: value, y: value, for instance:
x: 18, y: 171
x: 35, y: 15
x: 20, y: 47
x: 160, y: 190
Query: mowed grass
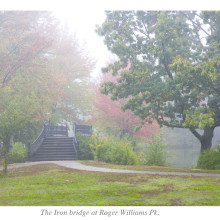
x: 53, y: 185
x: 144, y: 168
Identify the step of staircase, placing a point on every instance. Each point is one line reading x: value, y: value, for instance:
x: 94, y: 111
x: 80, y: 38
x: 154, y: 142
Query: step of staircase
x: 55, y: 148
x: 53, y: 158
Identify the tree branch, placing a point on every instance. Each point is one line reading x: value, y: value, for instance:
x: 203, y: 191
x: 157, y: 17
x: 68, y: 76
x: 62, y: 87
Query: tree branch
x: 147, y: 35
x: 211, y: 27
x: 195, y: 133
x: 193, y: 22
x: 164, y: 62
x: 13, y: 68
x: 171, y: 125
x: 197, y: 35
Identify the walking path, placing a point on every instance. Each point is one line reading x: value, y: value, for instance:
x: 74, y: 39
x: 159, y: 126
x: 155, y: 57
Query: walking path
x: 78, y: 166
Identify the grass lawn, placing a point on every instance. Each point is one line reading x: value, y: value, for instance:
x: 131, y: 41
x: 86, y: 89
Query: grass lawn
x: 144, y: 168
x: 52, y: 185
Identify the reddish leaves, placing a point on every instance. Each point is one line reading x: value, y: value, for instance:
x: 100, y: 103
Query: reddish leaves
x: 109, y: 114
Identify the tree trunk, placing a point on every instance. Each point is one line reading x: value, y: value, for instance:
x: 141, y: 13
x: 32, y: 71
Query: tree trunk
x: 206, y: 140
x: 6, y: 146
x: 4, y: 164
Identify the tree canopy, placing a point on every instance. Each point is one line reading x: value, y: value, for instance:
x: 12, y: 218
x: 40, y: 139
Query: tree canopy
x: 173, y: 67
x: 71, y: 66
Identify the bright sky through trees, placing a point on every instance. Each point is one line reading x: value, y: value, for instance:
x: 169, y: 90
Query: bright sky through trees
x: 82, y: 23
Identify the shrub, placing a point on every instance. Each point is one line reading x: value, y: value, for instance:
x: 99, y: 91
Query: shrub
x: 210, y: 159
x: 85, y: 150
x: 106, y: 149
x: 112, y: 150
x: 156, y: 152
x: 18, y: 153
x: 122, y: 153
x: 101, y: 148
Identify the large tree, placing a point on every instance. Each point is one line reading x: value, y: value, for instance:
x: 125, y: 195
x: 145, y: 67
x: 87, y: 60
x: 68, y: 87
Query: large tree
x: 25, y: 97
x: 174, y: 65
x: 41, y: 69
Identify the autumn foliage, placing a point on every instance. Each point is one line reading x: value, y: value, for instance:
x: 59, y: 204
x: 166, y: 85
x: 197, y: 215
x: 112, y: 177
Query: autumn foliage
x: 108, y: 114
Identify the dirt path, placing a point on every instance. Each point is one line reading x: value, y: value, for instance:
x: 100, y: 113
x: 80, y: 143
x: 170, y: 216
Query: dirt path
x: 78, y: 166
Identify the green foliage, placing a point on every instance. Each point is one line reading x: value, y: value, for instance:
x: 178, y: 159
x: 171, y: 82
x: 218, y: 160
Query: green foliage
x: 29, y: 133
x: 18, y: 153
x: 85, y: 150
x: 101, y: 147
x: 199, y: 118
x: 156, y: 152
x: 113, y: 150
x: 122, y: 153
x: 210, y: 159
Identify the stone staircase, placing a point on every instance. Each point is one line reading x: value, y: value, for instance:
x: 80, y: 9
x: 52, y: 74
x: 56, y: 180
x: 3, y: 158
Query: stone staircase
x: 53, y: 143
x: 56, y: 148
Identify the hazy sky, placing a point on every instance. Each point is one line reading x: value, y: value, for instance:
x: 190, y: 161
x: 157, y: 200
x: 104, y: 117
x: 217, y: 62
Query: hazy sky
x: 82, y: 23
x: 83, y: 15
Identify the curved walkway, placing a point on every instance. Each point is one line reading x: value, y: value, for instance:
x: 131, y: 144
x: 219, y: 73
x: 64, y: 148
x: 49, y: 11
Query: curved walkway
x: 78, y: 166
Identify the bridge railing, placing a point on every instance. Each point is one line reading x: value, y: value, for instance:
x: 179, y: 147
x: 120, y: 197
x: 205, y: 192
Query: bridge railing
x: 32, y: 148
x: 76, y: 147
x: 53, y: 130
x: 84, y: 129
